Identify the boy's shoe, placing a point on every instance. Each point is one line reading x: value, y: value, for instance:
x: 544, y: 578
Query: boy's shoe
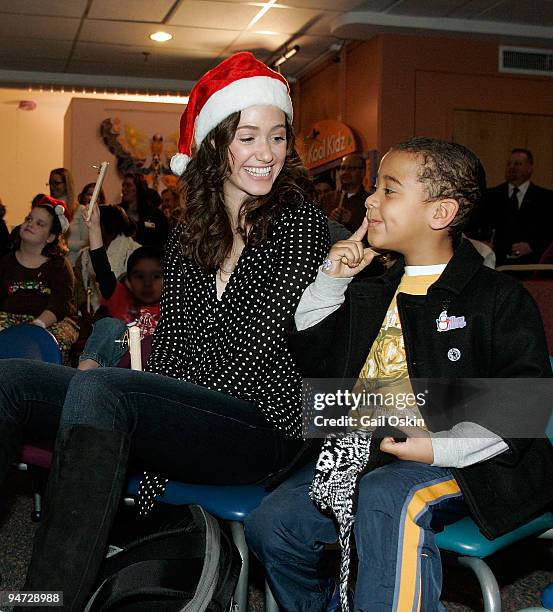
x: 334, y: 604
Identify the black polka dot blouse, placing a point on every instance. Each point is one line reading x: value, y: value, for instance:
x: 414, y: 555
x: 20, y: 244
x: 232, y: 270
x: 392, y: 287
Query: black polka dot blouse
x: 236, y: 345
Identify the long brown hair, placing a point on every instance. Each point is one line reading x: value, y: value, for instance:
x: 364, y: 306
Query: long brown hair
x: 69, y: 188
x: 207, y: 235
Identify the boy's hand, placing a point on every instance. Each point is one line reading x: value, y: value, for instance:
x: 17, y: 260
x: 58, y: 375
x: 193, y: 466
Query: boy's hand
x: 417, y: 447
x: 349, y: 257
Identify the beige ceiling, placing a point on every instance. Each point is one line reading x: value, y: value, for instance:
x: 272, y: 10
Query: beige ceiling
x: 105, y: 42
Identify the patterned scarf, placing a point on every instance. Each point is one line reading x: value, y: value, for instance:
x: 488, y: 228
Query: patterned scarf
x: 334, y: 490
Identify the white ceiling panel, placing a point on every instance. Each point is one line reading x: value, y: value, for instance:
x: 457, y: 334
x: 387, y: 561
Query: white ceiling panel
x: 200, y: 14
x: 137, y: 34
x: 62, y: 8
x: 421, y: 8
x: 130, y: 10
x: 251, y: 40
x: 286, y: 20
x: 54, y: 36
x: 43, y: 28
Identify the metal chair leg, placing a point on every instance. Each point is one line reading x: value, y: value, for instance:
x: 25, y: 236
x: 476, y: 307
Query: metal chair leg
x: 488, y: 583
x: 241, y: 592
x: 270, y: 602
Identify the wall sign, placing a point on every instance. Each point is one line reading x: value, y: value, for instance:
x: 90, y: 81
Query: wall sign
x: 327, y: 141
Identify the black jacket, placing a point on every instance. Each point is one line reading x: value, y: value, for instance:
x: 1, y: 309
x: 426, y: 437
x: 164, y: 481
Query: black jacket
x: 503, y: 338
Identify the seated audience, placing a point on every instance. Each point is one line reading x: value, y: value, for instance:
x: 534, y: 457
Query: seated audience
x: 36, y: 280
x: 437, y: 314
x: 117, y: 232
x: 142, y: 206
x: 86, y: 194
x: 171, y: 206
x: 136, y: 294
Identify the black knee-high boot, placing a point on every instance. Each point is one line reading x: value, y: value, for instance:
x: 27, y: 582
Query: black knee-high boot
x: 84, y: 489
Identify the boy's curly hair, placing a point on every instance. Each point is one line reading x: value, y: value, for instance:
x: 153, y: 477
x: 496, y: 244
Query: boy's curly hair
x: 449, y: 170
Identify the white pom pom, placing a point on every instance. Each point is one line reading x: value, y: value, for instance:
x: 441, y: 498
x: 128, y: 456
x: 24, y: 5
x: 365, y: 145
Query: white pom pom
x: 59, y: 210
x: 179, y: 163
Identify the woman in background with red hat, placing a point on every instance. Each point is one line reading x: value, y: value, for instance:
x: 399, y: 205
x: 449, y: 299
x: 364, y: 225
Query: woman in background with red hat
x: 221, y: 400
x: 36, y: 280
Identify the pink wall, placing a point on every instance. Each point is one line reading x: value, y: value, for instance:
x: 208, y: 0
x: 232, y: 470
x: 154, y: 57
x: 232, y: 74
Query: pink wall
x: 399, y: 86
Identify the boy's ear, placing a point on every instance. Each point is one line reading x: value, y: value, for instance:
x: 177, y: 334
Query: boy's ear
x: 51, y: 238
x: 125, y: 281
x: 444, y: 211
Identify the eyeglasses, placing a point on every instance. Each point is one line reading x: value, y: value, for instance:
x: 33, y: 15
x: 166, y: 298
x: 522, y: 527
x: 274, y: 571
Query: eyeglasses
x: 55, y: 183
x: 351, y: 168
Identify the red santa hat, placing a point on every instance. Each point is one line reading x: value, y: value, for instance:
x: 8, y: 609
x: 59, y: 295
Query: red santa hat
x: 60, y: 210
x: 236, y: 83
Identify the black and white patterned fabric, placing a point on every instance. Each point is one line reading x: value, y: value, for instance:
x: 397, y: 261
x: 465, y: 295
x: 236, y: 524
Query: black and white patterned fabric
x: 341, y: 463
x: 236, y: 345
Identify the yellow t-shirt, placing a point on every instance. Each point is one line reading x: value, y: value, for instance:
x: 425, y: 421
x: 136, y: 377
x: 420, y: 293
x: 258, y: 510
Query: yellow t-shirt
x: 385, y: 369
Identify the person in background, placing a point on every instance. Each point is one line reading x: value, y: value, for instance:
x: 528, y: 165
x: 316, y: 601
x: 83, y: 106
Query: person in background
x: 143, y: 208
x: 36, y: 281
x: 323, y: 186
x: 518, y: 213
x: 171, y: 206
x: 117, y: 232
x: 4, y: 232
x: 62, y: 187
x: 86, y: 194
x: 133, y: 299
x: 347, y: 206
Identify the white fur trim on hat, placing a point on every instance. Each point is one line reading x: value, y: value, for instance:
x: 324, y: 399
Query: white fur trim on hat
x: 238, y: 95
x: 60, y: 212
x: 178, y: 163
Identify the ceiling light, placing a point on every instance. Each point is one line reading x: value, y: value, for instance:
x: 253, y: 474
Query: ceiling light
x: 262, y: 11
x: 286, y: 55
x: 161, y: 36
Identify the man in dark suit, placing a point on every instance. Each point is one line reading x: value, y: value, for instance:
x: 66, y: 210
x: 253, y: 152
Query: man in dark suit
x: 347, y: 206
x: 521, y: 213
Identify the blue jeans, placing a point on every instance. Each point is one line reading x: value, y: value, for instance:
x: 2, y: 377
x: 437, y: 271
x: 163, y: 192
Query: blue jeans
x: 401, y: 506
x: 104, y: 343
x: 182, y: 430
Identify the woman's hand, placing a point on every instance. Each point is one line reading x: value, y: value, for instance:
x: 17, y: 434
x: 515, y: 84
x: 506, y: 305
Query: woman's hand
x: 417, y: 446
x: 347, y: 258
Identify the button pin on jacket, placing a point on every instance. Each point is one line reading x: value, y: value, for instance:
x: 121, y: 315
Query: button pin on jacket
x: 454, y: 354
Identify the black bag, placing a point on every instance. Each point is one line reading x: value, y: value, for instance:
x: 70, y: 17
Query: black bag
x: 183, y: 561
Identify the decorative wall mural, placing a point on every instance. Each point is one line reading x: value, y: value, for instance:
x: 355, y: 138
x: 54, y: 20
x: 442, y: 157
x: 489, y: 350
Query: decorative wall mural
x: 137, y: 152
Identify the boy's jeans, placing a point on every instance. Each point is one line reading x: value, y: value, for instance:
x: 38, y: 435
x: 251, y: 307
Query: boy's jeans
x: 104, y: 344
x: 401, y: 506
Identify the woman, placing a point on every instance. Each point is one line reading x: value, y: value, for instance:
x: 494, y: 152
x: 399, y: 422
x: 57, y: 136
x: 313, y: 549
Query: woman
x: 36, y: 281
x: 221, y: 402
x: 142, y: 207
x: 62, y: 188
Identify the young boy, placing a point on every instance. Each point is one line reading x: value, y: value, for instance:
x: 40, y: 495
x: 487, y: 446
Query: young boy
x: 394, y: 328
x: 135, y: 299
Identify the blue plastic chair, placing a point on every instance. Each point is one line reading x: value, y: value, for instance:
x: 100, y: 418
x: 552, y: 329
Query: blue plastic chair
x: 28, y: 341
x: 231, y: 503
x: 464, y: 539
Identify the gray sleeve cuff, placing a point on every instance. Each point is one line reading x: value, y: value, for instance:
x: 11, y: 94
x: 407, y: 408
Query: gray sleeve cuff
x: 465, y: 444
x: 323, y: 296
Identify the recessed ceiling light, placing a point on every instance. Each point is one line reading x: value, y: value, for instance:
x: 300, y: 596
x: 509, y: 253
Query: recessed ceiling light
x: 161, y: 36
